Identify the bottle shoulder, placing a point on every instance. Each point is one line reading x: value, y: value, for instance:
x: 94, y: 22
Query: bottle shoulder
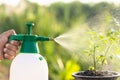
x: 29, y: 58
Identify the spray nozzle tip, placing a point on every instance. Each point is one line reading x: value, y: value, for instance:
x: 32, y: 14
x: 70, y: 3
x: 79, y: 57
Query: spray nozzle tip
x: 51, y: 39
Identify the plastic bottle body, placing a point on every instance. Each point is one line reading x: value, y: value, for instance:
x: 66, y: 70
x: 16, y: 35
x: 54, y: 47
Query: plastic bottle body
x: 28, y: 66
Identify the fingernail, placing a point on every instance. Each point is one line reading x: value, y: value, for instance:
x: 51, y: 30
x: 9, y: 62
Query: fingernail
x: 12, y: 42
x: 5, y: 55
x: 7, y: 45
x: 5, y: 50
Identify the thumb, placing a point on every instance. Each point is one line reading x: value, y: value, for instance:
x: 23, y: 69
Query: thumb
x: 8, y: 33
x: 4, y: 39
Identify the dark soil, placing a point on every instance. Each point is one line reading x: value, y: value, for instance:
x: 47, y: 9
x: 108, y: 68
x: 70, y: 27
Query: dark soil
x: 95, y: 73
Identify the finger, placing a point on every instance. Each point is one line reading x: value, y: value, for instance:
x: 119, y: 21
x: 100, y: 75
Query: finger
x: 8, y: 33
x: 9, y: 56
x: 11, y: 47
x: 9, y: 52
x: 16, y: 43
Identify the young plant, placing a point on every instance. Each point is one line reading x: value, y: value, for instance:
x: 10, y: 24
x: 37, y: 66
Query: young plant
x: 100, y: 45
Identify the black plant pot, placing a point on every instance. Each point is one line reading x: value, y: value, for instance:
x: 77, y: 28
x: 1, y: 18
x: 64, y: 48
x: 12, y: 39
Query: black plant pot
x: 78, y: 76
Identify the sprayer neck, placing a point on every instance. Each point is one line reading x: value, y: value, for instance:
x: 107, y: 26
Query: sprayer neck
x: 29, y: 45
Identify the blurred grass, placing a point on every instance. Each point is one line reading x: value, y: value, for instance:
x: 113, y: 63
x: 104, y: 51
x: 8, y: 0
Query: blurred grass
x: 53, y: 21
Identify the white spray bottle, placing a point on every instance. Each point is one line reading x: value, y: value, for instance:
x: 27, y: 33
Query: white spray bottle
x: 29, y: 64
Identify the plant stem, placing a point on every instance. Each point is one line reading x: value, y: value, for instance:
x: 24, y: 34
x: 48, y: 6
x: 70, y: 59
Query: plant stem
x: 107, y: 50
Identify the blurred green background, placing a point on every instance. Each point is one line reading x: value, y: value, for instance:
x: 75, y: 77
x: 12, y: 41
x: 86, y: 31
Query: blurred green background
x: 53, y: 21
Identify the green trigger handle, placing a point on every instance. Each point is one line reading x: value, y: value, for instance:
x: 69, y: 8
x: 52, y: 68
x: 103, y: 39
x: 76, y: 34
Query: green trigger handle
x: 18, y: 37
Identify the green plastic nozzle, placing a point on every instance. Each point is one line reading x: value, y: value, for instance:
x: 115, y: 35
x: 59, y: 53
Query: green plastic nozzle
x: 42, y: 38
x: 29, y: 40
x: 29, y: 26
x: 32, y: 37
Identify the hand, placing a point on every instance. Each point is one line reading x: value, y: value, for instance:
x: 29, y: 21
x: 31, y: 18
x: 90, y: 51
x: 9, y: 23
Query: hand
x: 8, y: 50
